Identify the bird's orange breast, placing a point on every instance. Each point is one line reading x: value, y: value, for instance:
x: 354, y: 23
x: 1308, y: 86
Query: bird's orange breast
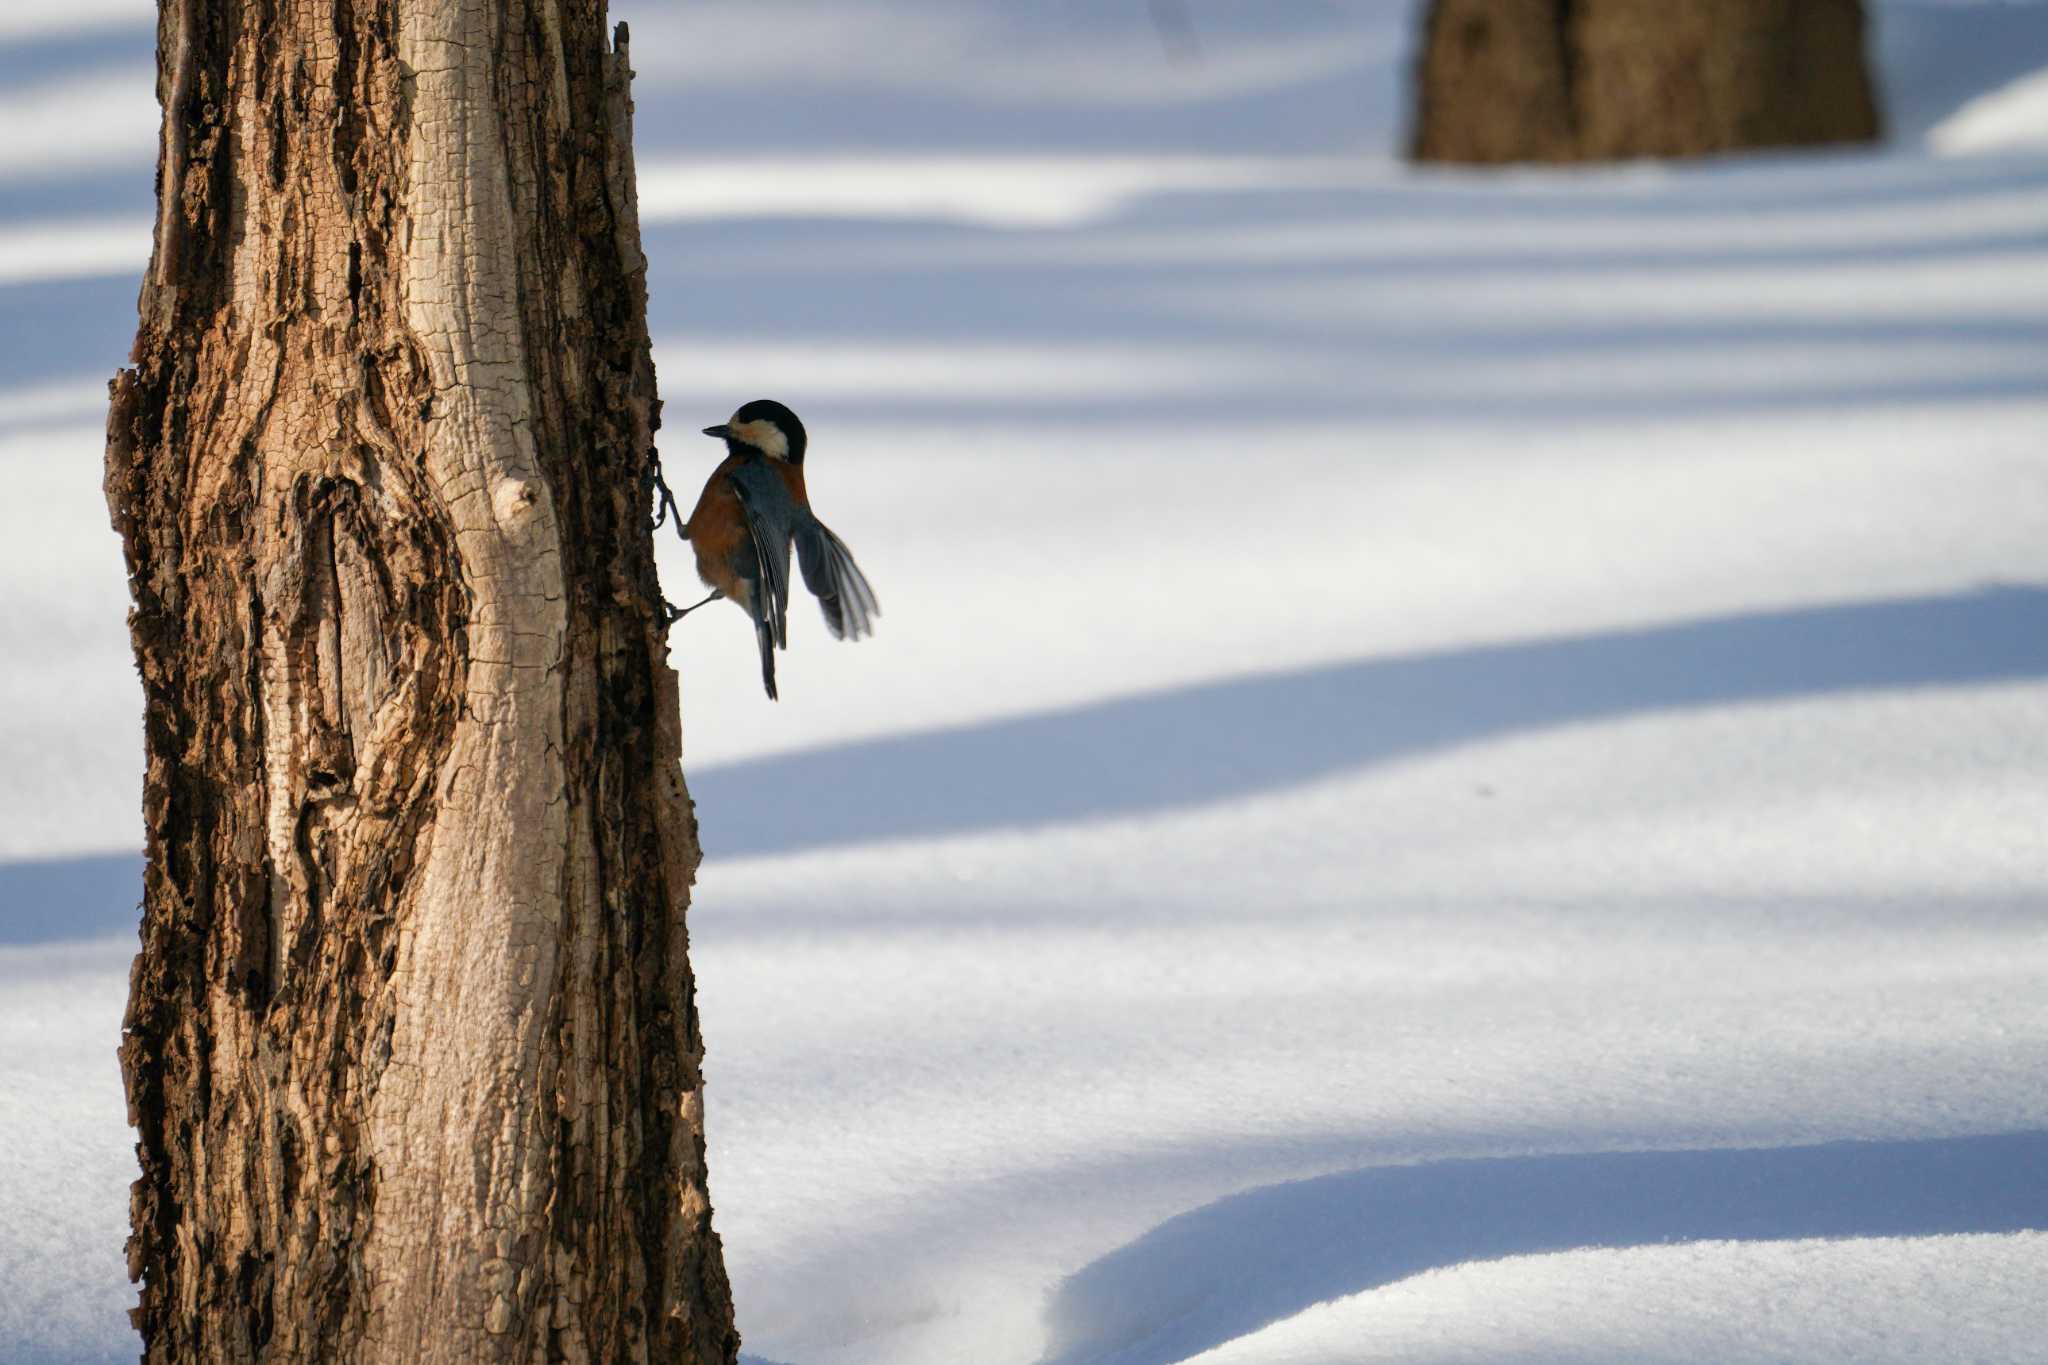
x: 717, y: 529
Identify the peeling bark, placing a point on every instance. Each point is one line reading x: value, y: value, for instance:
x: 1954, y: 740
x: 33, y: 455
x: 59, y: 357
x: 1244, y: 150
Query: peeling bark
x: 411, y: 1042
x: 1589, y: 80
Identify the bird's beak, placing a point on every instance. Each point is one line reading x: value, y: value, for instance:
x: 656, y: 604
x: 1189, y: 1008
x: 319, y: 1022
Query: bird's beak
x: 721, y: 431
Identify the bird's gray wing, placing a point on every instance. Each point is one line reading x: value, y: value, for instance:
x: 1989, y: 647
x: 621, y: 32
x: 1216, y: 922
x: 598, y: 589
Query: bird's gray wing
x: 772, y: 516
x: 842, y: 590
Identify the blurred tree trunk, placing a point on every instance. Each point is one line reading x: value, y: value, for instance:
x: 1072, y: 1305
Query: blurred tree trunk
x: 1578, y: 80
x: 411, y: 1043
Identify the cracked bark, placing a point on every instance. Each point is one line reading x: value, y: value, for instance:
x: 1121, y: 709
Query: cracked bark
x: 411, y: 1045
x: 1590, y: 80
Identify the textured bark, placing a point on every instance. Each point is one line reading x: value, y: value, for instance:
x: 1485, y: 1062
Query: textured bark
x: 1573, y: 80
x: 411, y: 1043
x: 1492, y: 84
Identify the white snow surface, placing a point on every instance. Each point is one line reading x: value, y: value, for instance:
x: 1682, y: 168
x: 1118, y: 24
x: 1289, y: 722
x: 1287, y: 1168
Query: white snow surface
x: 1457, y: 765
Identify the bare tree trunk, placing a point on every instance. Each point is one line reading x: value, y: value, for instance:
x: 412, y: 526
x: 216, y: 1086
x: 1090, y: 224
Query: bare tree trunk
x: 1571, y: 80
x: 411, y: 1042
x: 1492, y: 83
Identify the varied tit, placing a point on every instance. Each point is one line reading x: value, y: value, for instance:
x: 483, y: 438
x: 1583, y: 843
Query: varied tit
x: 752, y: 508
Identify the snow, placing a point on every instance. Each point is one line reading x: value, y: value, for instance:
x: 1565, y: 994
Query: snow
x: 1744, y: 1303
x: 80, y: 248
x: 23, y: 23
x: 61, y: 128
x: 1457, y: 764
x: 1004, y: 192
x: 2013, y: 117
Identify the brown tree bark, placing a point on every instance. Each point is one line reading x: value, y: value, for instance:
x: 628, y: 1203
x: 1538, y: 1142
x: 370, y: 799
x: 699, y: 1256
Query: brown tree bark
x: 1578, y: 80
x: 411, y: 1044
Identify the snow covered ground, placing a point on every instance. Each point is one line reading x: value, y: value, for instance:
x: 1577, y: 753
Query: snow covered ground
x: 1457, y: 765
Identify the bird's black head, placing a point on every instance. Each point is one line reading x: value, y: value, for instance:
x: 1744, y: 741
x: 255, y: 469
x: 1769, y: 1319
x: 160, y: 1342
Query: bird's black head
x: 766, y: 426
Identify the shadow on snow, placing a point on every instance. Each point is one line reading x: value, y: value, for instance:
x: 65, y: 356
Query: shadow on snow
x: 55, y: 900
x: 1187, y: 746
x: 1234, y: 1266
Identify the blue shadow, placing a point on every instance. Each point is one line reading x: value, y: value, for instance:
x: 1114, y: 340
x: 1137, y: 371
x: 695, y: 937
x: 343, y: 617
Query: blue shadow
x: 1191, y: 745
x: 63, y: 899
x: 1188, y: 746
x: 1230, y: 1268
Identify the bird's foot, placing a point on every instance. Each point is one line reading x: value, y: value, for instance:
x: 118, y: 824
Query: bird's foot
x: 665, y: 508
x: 670, y: 613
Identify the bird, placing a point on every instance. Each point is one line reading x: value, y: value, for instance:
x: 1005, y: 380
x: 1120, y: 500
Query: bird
x: 752, y: 510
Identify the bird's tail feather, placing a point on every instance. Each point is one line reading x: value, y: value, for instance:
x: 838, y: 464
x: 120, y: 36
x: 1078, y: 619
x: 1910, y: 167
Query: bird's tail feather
x: 843, y: 591
x: 764, y: 634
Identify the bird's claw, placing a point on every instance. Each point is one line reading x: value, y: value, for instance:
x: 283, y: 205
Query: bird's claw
x: 671, y: 613
x: 664, y: 498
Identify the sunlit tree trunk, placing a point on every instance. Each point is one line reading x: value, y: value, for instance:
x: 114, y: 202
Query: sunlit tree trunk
x: 1571, y: 80
x: 411, y: 1045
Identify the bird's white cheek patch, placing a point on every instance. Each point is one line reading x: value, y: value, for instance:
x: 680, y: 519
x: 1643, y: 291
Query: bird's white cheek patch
x: 763, y: 436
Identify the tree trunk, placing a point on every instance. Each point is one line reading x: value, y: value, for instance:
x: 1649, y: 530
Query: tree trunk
x: 411, y: 1041
x: 1575, y: 80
